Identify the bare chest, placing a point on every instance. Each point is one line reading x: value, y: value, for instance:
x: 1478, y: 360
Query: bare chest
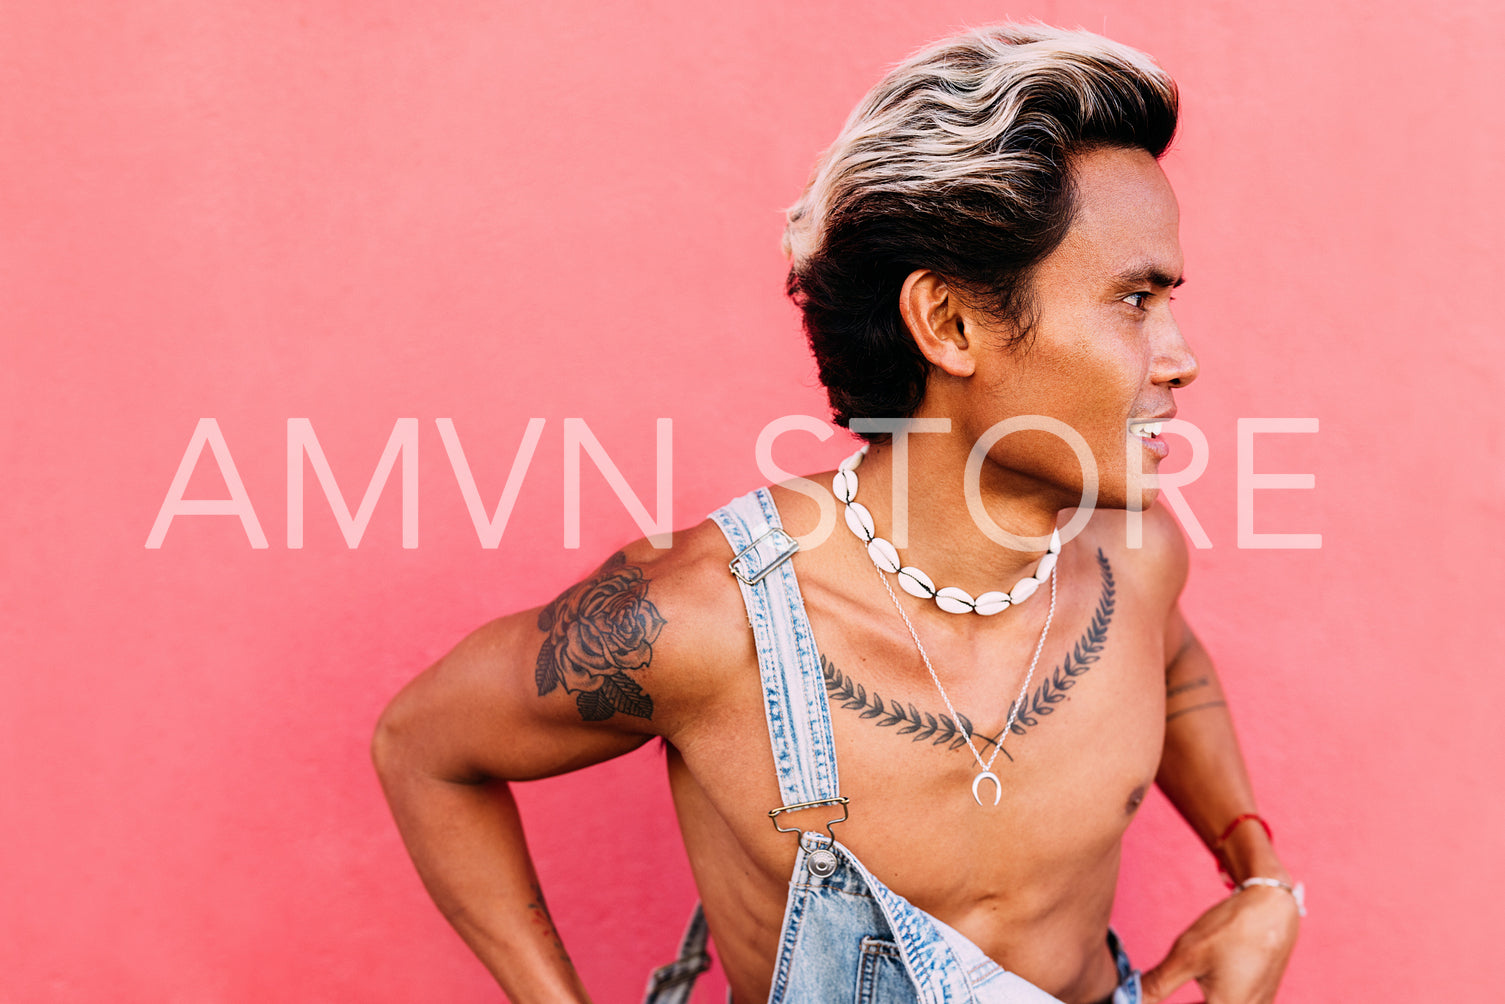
x: 1067, y: 766
x: 972, y: 775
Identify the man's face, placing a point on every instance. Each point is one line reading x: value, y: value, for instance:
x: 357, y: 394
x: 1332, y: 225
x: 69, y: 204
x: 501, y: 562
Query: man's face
x: 1105, y: 352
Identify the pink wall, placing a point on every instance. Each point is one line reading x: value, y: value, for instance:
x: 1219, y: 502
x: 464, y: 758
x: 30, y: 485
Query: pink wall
x: 354, y: 213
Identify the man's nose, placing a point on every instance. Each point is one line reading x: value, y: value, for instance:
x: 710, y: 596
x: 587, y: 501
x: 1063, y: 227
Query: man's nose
x: 1175, y: 363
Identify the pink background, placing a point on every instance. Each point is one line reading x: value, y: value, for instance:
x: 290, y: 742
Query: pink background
x: 358, y: 212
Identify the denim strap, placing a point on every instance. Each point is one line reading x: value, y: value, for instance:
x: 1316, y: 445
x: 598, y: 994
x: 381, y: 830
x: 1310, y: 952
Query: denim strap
x: 673, y: 983
x: 794, y: 690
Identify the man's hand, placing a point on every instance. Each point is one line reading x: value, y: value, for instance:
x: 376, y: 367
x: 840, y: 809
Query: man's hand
x: 1236, y: 951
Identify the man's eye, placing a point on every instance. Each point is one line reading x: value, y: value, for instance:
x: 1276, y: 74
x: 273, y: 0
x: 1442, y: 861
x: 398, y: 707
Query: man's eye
x: 1136, y: 300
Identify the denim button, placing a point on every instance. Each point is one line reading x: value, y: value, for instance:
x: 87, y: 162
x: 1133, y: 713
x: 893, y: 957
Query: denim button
x: 821, y: 863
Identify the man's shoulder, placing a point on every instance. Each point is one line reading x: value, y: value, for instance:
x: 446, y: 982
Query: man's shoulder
x: 691, y: 588
x: 698, y: 558
x: 695, y: 571
x: 1148, y: 548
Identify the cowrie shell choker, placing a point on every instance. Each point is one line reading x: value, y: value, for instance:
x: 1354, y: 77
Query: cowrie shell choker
x: 915, y: 582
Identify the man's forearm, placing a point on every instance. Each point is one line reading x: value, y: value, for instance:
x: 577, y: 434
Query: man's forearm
x: 466, y: 840
x: 1202, y: 768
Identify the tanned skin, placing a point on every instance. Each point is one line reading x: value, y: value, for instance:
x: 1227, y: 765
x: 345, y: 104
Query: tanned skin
x: 656, y: 644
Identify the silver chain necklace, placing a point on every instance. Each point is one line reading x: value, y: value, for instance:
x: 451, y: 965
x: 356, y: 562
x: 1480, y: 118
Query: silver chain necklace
x: 846, y: 492
x: 986, y: 771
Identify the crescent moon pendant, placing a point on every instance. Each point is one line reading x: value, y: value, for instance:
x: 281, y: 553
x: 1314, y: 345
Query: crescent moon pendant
x: 997, y: 786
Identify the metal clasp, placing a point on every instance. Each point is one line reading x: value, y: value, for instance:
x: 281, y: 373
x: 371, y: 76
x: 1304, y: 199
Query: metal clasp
x: 840, y: 800
x: 786, y: 544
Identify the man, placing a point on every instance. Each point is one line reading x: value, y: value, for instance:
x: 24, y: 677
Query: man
x: 950, y: 738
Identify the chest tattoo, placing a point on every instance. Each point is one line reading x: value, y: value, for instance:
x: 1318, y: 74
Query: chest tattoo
x: 942, y: 729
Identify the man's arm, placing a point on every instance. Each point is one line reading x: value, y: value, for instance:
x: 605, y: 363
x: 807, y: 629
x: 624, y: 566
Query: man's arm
x: 527, y: 696
x: 1202, y: 769
x: 1237, y: 950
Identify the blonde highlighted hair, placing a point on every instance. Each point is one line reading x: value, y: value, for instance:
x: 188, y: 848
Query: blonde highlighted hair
x: 957, y: 161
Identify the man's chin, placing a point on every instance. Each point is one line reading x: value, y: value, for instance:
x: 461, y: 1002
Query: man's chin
x: 1132, y: 501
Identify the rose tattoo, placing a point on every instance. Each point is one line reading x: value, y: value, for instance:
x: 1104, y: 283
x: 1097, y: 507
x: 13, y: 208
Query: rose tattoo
x: 597, y: 632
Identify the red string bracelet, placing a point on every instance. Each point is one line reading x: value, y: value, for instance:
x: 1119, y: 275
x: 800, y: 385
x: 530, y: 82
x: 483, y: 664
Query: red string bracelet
x: 1217, y: 847
x: 1242, y: 818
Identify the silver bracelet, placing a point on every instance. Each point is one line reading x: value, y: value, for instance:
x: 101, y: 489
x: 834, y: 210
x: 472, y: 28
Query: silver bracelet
x: 1298, y: 891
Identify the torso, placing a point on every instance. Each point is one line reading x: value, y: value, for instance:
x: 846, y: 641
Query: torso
x: 1031, y: 880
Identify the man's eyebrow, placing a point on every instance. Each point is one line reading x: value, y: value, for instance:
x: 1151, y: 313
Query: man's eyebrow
x: 1141, y: 275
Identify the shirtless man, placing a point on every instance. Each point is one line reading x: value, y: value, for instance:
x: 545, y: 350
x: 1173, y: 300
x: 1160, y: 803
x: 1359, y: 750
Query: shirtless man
x: 1016, y: 262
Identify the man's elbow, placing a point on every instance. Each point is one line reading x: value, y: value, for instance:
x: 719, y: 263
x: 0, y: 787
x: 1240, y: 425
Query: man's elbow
x: 412, y: 744
x: 391, y: 741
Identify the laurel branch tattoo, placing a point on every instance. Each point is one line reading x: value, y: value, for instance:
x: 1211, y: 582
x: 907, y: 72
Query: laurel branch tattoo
x: 1078, y: 661
x: 943, y: 730
x: 918, y: 725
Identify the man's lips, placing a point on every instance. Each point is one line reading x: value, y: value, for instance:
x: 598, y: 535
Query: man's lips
x: 1148, y: 430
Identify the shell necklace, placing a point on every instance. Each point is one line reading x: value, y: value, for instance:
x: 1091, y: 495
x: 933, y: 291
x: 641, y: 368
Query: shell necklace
x: 1043, y: 571
x: 915, y: 582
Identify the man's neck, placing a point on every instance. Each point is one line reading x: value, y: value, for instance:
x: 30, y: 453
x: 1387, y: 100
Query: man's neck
x: 940, y: 535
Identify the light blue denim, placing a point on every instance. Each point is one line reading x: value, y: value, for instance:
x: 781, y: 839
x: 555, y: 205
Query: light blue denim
x: 846, y: 936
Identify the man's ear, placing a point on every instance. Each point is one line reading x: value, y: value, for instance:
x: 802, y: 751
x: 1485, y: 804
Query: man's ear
x: 933, y: 314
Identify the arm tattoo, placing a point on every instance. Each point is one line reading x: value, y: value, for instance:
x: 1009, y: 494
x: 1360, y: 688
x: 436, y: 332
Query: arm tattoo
x: 1182, y: 688
x: 595, y: 634
x: 540, y: 918
x: 1195, y: 707
x: 938, y: 729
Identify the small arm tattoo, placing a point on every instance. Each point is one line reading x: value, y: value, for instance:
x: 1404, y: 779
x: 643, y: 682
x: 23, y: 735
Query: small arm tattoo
x: 1195, y: 707
x: 1182, y: 688
x: 543, y: 921
x: 596, y: 634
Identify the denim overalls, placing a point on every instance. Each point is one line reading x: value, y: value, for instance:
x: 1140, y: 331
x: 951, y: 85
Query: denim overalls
x: 846, y: 936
